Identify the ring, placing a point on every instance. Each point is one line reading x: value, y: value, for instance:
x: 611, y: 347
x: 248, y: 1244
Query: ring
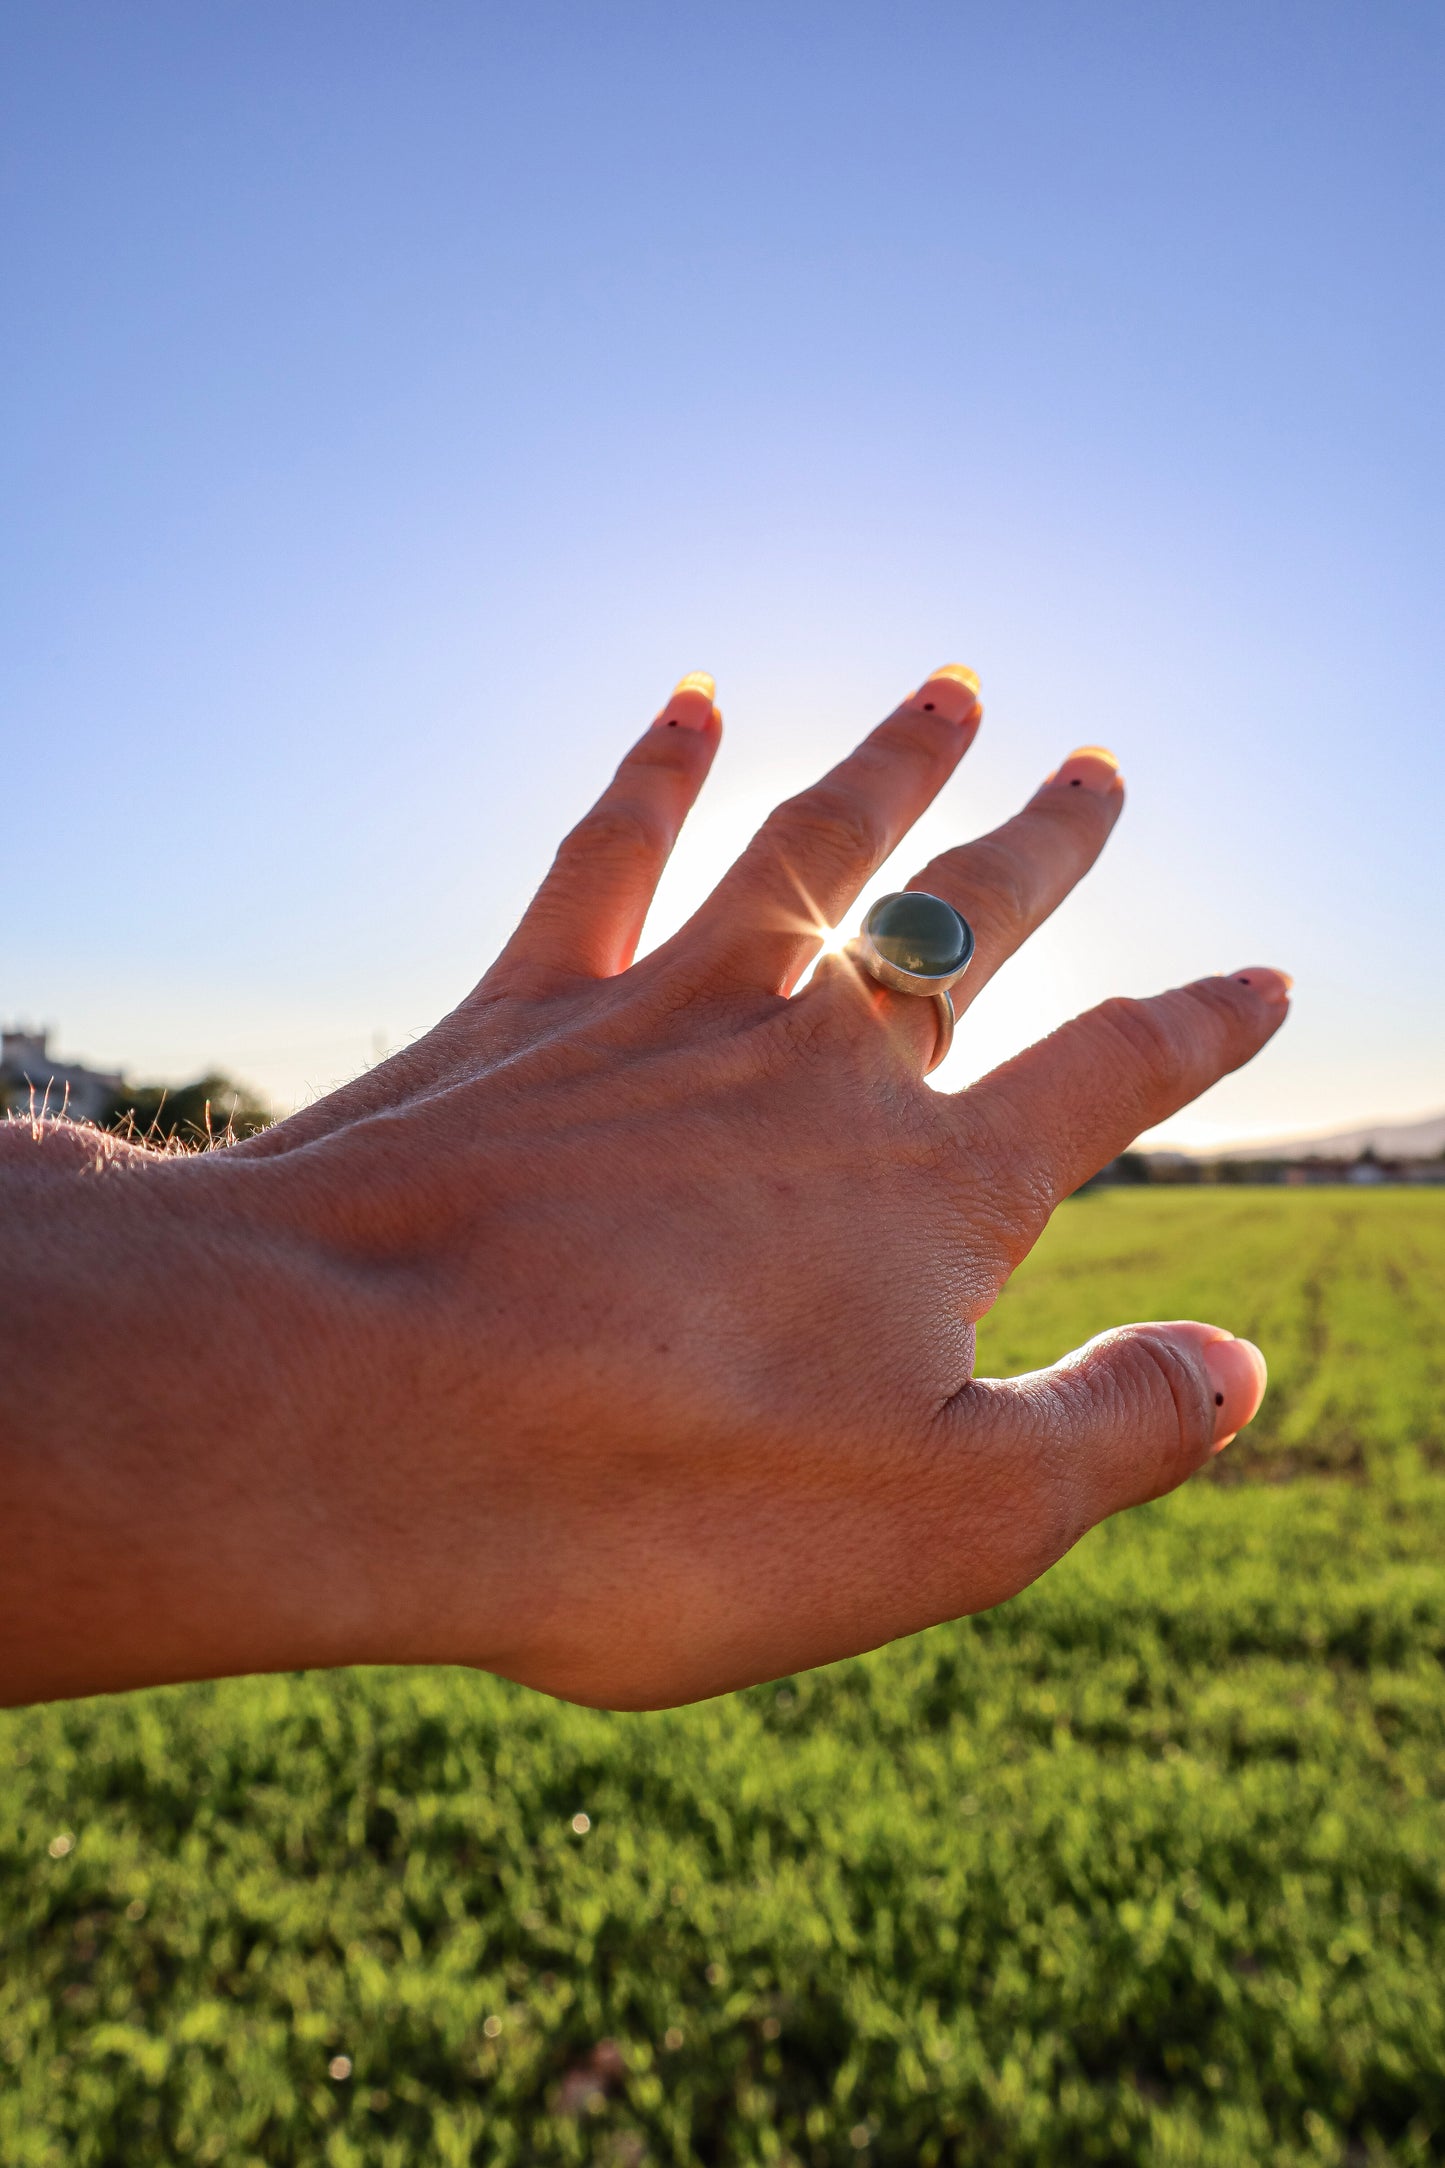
x: 917, y: 944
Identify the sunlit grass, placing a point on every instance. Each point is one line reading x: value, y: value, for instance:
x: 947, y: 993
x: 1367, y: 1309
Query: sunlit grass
x: 1147, y: 1867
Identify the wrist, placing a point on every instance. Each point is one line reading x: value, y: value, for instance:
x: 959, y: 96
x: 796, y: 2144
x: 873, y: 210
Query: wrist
x: 186, y: 1384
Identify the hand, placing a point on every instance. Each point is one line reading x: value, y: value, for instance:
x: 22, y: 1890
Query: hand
x: 618, y: 1336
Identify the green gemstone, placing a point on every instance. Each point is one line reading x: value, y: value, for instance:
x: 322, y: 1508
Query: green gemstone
x: 919, y: 933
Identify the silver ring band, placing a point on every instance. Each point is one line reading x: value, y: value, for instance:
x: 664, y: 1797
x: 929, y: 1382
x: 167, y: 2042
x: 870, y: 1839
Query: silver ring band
x: 915, y: 943
x: 944, y: 1011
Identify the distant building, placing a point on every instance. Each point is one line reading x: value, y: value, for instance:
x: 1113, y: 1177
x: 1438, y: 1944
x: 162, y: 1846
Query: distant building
x: 31, y: 1076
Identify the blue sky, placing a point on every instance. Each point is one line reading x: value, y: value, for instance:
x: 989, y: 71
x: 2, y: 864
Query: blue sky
x: 395, y: 401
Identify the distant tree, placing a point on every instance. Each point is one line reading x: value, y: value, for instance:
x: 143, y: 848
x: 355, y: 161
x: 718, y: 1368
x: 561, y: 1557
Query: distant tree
x: 212, y: 1110
x: 1174, y: 1168
x: 1128, y: 1167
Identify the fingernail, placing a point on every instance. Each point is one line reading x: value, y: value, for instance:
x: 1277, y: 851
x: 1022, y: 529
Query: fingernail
x: 1273, y: 985
x: 690, y: 706
x: 1237, y: 1374
x: 1089, y: 767
x: 951, y: 690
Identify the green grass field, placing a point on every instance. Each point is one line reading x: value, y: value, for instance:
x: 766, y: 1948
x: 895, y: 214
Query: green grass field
x: 1147, y: 1867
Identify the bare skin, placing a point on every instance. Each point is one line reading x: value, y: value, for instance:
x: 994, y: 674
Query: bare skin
x: 618, y: 1336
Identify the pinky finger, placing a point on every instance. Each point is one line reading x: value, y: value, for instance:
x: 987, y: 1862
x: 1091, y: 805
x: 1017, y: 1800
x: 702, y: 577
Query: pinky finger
x: 587, y: 915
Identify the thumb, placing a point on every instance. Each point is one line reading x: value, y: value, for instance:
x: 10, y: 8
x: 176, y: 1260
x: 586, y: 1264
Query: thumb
x: 1131, y: 1414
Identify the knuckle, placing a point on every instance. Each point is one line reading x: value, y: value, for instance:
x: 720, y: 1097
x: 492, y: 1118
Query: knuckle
x: 1154, y: 1382
x: 667, y: 752
x: 837, y: 826
x: 1140, y: 1032
x: 619, y: 832
x: 1002, y: 891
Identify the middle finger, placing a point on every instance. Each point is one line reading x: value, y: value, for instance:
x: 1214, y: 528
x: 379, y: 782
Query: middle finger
x: 1008, y: 882
x: 1005, y: 884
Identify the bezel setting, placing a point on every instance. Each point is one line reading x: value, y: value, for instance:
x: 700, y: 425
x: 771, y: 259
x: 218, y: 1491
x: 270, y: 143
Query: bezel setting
x: 891, y: 974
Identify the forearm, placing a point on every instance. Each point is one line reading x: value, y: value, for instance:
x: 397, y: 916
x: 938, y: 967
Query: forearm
x: 175, y: 1390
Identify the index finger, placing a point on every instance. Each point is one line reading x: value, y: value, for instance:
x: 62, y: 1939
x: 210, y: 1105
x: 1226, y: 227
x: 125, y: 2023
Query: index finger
x: 1057, y: 1113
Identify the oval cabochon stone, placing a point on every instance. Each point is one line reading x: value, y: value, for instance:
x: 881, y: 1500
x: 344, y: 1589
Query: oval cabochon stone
x: 919, y: 933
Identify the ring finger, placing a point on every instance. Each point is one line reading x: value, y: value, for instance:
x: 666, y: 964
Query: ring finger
x: 1005, y: 884
x: 765, y: 921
